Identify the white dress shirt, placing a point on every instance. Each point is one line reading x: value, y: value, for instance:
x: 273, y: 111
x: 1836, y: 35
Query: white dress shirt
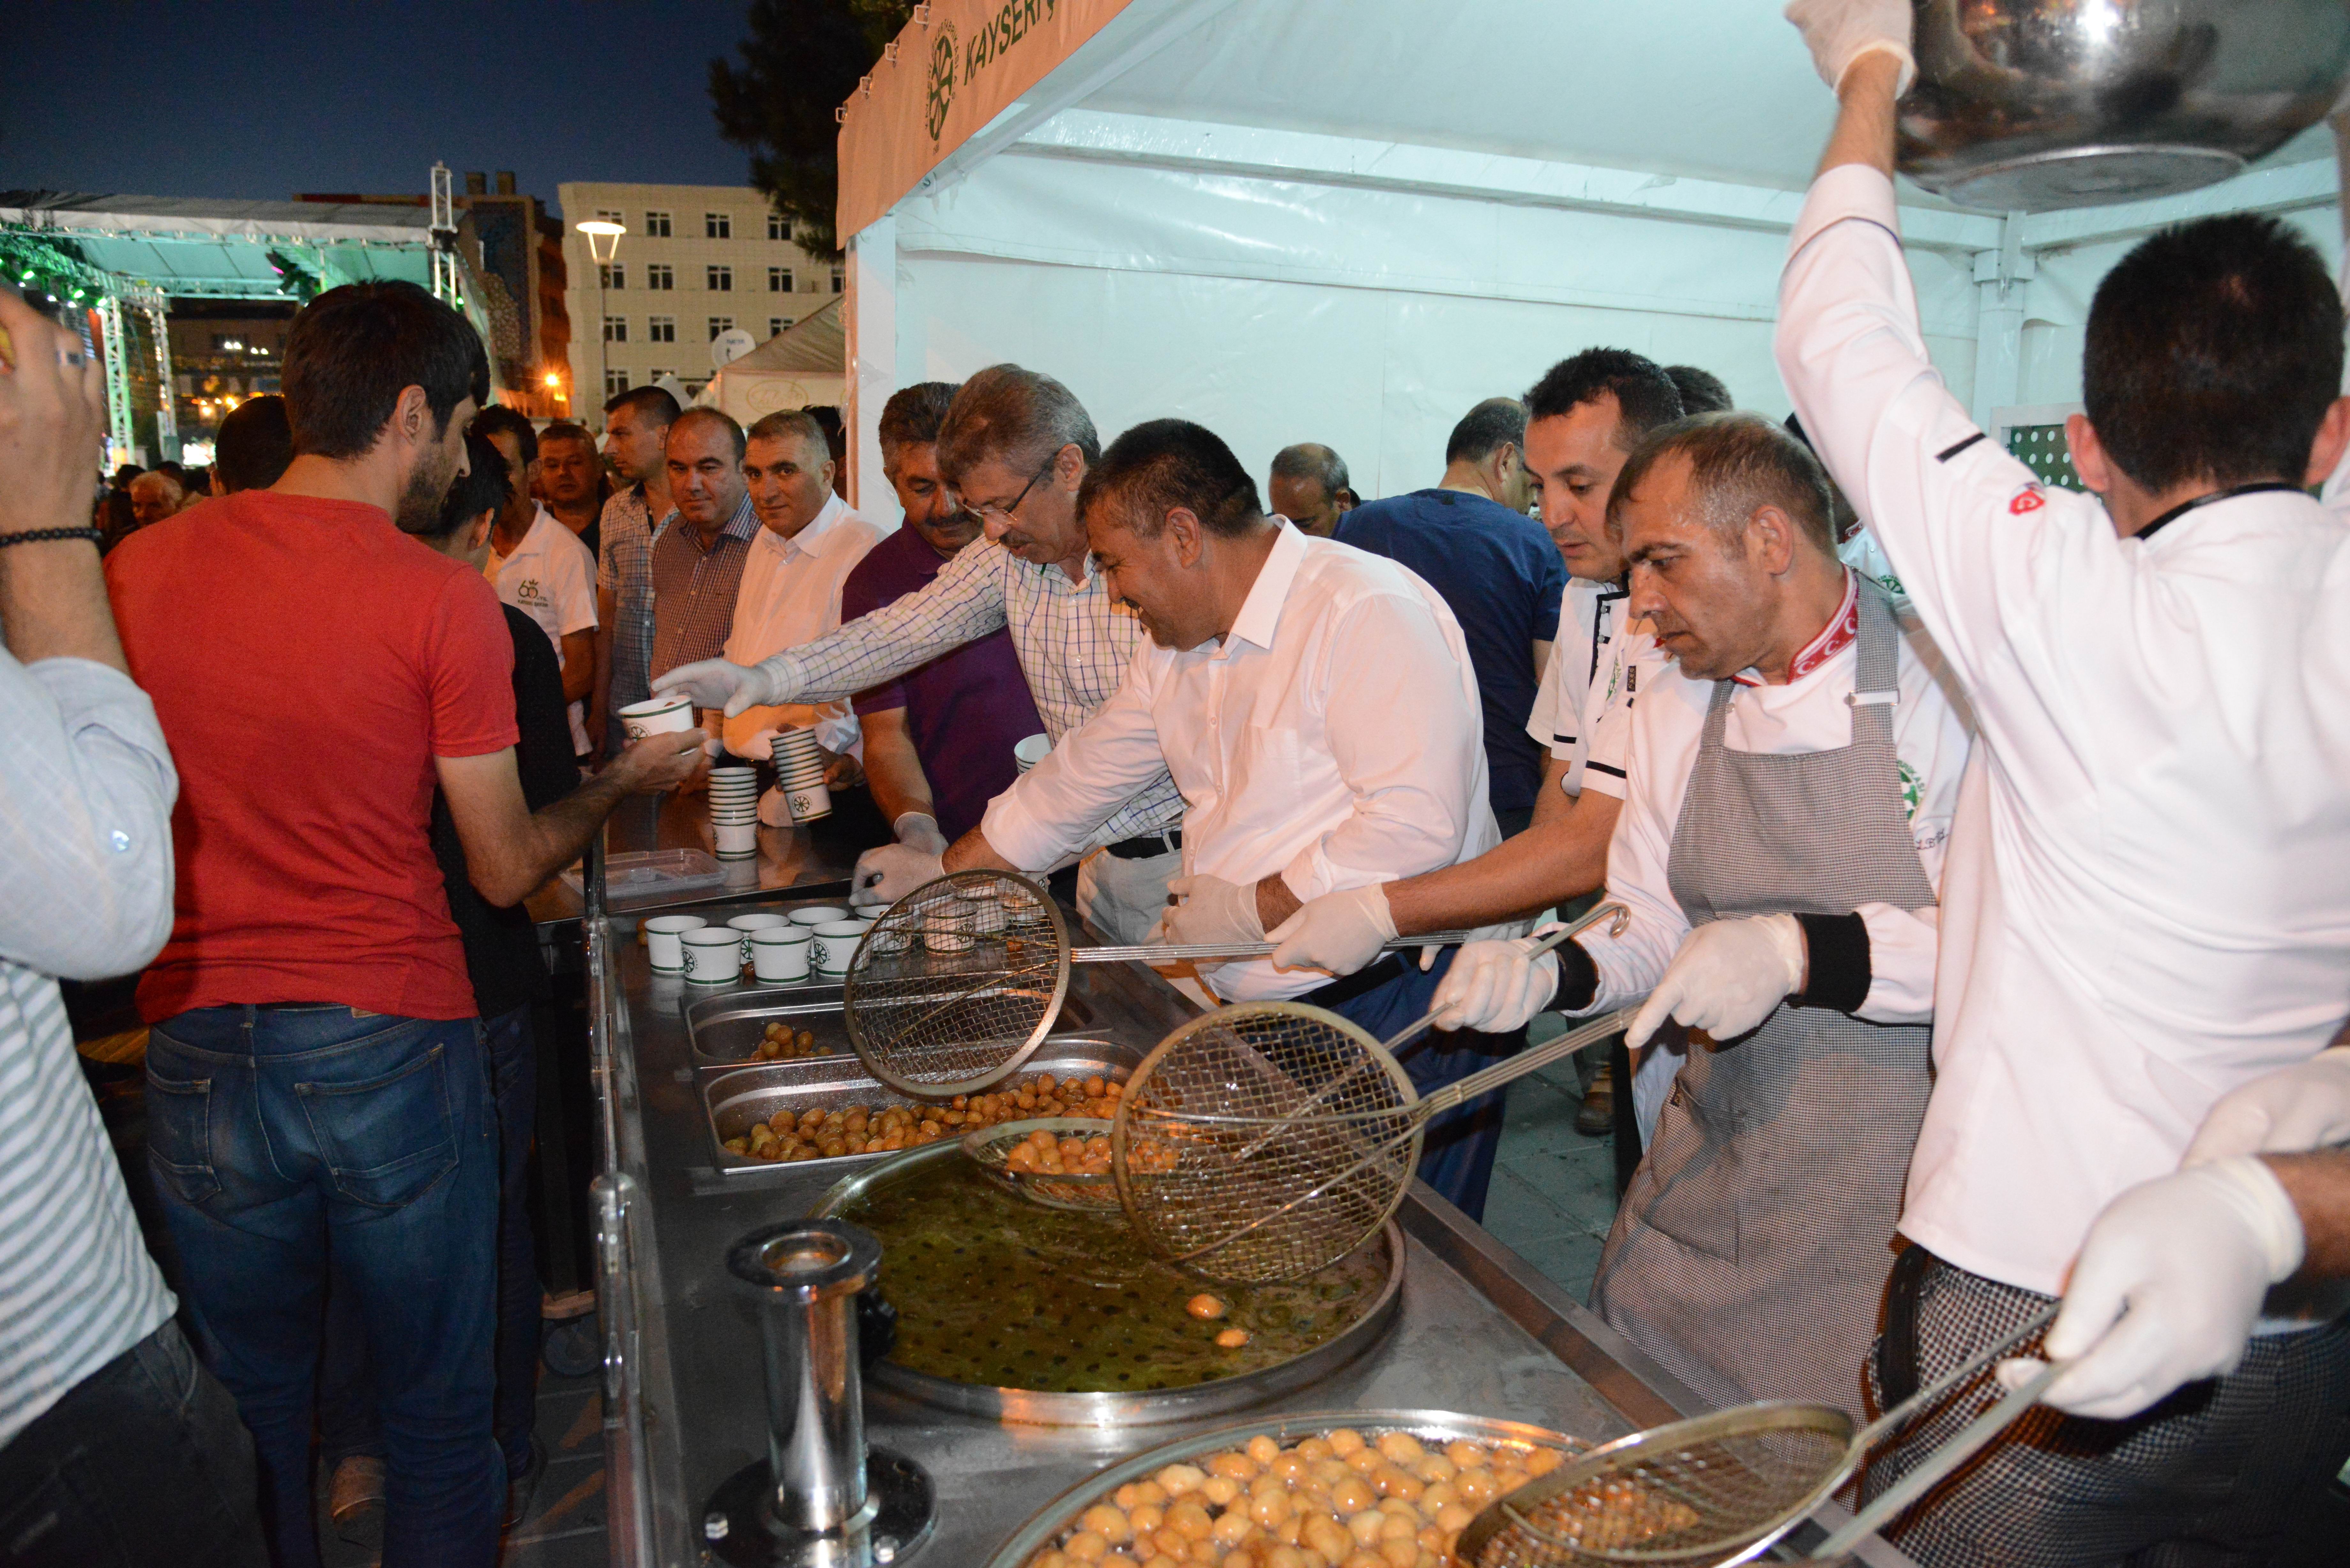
x: 790, y: 594
x: 1332, y: 737
x: 550, y: 577
x: 2148, y: 895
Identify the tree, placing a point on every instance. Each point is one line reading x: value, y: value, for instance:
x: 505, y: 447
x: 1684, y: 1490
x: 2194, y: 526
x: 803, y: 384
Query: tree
x: 803, y: 59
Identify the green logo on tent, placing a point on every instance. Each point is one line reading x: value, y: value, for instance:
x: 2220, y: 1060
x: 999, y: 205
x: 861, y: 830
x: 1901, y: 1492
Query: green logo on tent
x: 942, y: 80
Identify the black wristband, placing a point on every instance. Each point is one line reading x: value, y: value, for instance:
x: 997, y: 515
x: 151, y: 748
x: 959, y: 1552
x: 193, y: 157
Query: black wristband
x: 1579, y: 979
x: 46, y: 536
x: 1841, y: 974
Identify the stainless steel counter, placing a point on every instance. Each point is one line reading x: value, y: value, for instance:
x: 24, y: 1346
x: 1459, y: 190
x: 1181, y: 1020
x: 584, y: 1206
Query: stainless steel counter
x: 1480, y: 1331
x: 815, y: 859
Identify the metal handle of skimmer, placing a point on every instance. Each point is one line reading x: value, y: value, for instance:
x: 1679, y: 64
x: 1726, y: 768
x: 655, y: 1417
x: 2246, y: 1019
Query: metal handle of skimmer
x: 1330, y: 1090
x: 806, y: 1274
x: 1931, y: 1471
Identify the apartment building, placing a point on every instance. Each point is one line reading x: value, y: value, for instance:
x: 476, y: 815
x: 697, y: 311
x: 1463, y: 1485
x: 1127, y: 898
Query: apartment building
x: 696, y: 260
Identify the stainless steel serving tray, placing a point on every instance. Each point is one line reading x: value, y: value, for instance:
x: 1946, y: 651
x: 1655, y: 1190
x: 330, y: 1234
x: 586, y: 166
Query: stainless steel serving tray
x: 1037, y: 1407
x: 735, y: 1099
x: 1428, y: 1426
x: 727, y: 1025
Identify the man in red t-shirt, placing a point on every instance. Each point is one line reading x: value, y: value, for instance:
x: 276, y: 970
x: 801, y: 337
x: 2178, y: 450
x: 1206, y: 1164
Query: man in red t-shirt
x: 313, y: 1063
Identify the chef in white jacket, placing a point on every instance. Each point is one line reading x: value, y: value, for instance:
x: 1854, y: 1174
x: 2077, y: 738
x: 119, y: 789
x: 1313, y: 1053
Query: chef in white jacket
x: 1315, y: 706
x: 2148, y: 901
x: 1793, y: 781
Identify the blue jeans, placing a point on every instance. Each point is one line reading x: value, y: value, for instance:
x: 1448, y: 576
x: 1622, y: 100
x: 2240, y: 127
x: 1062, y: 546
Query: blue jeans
x: 347, y: 1409
x: 281, y: 1135
x: 145, y: 1452
x: 1456, y: 1152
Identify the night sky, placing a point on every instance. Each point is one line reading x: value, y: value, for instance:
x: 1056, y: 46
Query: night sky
x: 172, y: 97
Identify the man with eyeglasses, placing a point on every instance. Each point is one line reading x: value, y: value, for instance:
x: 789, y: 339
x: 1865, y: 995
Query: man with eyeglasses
x: 1014, y: 450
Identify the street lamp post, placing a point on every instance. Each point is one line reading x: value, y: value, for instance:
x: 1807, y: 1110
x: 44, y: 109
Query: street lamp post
x: 603, y: 244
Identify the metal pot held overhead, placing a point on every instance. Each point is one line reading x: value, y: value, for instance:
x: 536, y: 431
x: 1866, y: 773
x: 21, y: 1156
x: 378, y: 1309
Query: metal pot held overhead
x: 2023, y: 105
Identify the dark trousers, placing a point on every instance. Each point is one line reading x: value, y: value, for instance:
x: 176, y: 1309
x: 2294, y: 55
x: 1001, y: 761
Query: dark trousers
x: 143, y: 1462
x: 282, y: 1136
x: 347, y: 1422
x: 1456, y: 1152
x: 2216, y: 1475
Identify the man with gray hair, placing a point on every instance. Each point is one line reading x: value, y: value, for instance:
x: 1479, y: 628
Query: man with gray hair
x: 808, y: 541
x: 1014, y: 449
x: 1793, y: 780
x: 1309, y: 486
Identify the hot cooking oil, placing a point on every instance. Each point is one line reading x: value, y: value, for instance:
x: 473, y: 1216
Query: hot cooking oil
x: 996, y: 1291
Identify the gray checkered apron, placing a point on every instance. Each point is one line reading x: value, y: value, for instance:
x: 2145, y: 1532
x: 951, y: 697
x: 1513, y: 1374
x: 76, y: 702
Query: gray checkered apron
x: 1750, y: 1252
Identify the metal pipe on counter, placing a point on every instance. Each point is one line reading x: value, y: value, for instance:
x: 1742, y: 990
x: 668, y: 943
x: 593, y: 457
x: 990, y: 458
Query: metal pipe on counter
x: 805, y: 1275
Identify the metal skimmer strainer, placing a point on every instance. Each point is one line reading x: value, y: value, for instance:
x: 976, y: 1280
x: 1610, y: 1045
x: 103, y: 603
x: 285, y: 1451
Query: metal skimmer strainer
x: 1721, y: 1488
x: 1266, y: 1140
x: 959, y: 982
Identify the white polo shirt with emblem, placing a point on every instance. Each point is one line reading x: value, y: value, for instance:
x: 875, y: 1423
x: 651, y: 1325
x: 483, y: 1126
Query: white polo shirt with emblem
x: 1582, y: 711
x: 550, y: 577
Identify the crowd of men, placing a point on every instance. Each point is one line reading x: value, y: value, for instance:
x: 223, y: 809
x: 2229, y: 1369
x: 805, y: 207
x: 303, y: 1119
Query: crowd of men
x: 1989, y: 871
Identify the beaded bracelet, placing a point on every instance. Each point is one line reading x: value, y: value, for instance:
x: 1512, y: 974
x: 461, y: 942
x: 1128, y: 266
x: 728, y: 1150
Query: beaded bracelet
x: 42, y: 535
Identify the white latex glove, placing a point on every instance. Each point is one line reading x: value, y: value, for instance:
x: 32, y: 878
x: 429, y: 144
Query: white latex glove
x: 919, y: 830
x: 1839, y: 32
x: 1726, y: 979
x: 2168, y: 1286
x: 1339, y: 933
x: 888, y: 873
x: 716, y: 683
x: 2290, y: 1111
x: 1209, y: 909
x: 1497, y: 986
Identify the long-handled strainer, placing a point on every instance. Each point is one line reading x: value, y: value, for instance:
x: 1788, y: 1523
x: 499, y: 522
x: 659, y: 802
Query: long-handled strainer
x: 1721, y: 1488
x: 1266, y: 1140
x: 959, y: 982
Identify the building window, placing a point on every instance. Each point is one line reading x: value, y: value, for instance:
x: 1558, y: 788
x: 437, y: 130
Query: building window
x: 777, y: 324
x: 660, y: 330
x: 722, y: 279
x: 840, y: 280
x: 778, y: 226
x: 719, y: 324
x: 614, y: 275
x: 657, y: 375
x: 657, y: 225
x: 717, y: 225
x: 658, y: 275
x: 609, y: 215
x: 615, y: 382
x: 616, y: 330
x: 779, y: 280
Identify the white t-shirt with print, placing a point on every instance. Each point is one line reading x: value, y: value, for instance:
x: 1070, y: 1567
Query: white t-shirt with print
x: 551, y: 577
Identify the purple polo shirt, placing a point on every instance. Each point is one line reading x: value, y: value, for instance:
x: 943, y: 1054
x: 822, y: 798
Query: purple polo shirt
x: 965, y: 709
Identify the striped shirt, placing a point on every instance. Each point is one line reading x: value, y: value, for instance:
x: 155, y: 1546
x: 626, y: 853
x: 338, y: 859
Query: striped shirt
x: 625, y: 570
x: 1074, y: 644
x: 86, y: 793
x: 694, y: 589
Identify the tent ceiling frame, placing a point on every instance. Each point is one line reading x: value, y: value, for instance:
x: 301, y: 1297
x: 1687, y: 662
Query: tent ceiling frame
x: 1409, y: 168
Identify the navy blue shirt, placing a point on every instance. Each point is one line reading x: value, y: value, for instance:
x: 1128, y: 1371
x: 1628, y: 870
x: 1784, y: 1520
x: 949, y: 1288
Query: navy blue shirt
x: 1503, y: 578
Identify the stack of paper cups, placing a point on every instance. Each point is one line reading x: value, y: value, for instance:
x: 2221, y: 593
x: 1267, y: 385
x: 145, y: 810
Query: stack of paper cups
x: 1035, y: 749
x: 734, y: 810
x: 800, y: 775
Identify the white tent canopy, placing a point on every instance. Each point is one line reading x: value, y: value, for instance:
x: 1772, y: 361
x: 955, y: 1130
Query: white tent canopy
x: 805, y: 365
x: 1349, y: 223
